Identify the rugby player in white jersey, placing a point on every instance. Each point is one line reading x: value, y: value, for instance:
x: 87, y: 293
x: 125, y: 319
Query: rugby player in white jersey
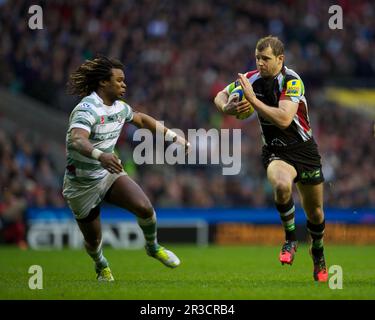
x: 93, y: 172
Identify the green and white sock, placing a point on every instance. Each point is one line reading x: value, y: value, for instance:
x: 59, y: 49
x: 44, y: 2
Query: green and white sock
x: 97, y: 255
x: 149, y: 229
x: 287, y: 214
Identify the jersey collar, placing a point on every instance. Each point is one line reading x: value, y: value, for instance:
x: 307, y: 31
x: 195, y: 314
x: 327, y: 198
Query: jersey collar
x: 281, y: 73
x: 99, y: 100
x: 96, y: 97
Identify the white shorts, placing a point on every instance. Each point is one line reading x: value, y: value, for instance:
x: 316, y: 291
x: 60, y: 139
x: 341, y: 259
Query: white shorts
x: 83, y: 197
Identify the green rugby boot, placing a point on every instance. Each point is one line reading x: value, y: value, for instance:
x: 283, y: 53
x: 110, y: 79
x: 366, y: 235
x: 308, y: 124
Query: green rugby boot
x: 104, y: 274
x: 166, y: 257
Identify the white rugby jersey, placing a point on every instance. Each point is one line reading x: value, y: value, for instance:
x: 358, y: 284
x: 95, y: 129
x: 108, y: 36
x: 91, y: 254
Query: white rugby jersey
x: 104, y: 123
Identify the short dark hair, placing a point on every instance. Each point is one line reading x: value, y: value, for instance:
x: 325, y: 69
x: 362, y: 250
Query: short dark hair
x: 270, y: 41
x: 86, y: 78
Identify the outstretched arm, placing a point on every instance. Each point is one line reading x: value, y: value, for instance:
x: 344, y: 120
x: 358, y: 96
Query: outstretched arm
x: 142, y: 120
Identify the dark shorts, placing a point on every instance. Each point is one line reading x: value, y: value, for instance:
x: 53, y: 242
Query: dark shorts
x: 304, y: 157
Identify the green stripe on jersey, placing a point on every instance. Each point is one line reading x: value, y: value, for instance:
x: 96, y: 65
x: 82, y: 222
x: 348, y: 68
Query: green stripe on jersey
x: 82, y: 110
x: 83, y: 121
x: 106, y: 150
x: 91, y: 100
x: 83, y: 165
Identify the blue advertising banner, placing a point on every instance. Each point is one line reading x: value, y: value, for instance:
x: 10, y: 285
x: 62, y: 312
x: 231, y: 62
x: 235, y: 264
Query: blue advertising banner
x: 211, y: 215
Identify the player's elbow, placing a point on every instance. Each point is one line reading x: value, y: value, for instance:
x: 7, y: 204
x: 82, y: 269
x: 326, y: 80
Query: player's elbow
x: 75, y: 139
x: 139, y: 119
x: 220, y: 100
x: 216, y: 99
x: 284, y: 124
x: 76, y: 142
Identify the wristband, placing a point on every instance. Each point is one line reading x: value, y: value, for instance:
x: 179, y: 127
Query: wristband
x: 96, y: 153
x: 170, y: 135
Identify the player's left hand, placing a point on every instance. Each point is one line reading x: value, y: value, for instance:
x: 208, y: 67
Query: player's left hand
x: 110, y: 162
x: 247, y: 88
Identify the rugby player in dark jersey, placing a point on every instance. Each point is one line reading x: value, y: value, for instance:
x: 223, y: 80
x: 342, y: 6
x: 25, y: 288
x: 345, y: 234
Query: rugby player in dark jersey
x: 290, y: 154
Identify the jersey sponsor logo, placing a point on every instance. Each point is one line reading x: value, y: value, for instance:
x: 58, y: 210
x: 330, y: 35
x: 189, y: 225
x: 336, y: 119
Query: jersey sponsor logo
x: 116, y: 117
x: 293, y: 88
x: 108, y: 136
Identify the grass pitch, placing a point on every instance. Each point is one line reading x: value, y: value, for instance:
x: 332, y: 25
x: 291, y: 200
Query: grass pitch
x: 214, y: 273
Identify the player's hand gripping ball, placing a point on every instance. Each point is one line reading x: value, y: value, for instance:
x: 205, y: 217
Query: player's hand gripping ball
x: 237, y: 93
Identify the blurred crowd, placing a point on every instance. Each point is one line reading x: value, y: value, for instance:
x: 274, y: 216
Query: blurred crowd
x: 178, y: 55
x: 169, y: 46
x: 28, y: 178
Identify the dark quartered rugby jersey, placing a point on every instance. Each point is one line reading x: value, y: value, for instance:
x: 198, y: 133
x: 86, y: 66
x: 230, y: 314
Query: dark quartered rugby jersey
x: 270, y: 91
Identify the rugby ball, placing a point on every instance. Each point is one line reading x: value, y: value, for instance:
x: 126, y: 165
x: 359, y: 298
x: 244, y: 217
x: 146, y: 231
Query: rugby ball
x: 237, y: 94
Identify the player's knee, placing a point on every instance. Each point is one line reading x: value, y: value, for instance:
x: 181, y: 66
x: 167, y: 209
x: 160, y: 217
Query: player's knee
x: 316, y: 214
x: 145, y: 210
x: 283, y: 191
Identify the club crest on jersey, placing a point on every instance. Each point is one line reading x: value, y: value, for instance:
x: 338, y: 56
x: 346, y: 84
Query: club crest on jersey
x: 293, y: 88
